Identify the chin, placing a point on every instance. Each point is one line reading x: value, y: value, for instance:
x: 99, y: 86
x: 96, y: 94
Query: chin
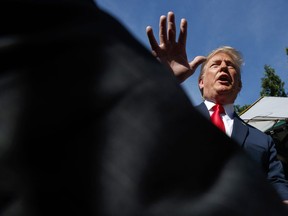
x: 225, y: 90
x: 226, y: 93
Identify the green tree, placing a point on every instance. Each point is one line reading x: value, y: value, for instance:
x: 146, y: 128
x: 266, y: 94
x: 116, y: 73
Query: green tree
x: 272, y: 85
x: 239, y: 109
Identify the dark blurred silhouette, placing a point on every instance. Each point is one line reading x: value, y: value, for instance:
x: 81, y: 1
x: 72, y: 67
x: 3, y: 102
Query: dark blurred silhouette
x: 92, y: 124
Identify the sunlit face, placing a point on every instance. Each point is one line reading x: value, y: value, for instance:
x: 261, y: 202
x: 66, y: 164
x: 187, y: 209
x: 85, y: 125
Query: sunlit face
x: 221, y: 82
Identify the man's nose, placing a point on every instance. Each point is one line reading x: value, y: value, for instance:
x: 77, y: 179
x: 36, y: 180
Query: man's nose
x: 223, y: 66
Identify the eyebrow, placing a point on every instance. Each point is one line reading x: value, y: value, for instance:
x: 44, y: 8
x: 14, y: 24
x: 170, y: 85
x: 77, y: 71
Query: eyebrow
x: 226, y: 61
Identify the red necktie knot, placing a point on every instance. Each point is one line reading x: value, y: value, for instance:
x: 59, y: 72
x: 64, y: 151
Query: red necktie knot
x: 218, y: 108
x: 216, y: 117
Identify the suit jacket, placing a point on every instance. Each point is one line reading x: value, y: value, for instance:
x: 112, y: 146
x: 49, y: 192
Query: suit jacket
x: 261, y: 149
x: 92, y: 124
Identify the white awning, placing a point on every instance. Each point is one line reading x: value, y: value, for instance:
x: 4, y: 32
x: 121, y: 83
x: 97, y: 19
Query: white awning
x: 266, y: 112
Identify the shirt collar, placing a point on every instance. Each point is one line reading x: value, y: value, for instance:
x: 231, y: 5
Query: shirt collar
x: 229, y: 108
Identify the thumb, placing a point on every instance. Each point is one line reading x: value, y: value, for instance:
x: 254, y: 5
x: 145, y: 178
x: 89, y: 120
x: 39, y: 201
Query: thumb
x: 196, y: 62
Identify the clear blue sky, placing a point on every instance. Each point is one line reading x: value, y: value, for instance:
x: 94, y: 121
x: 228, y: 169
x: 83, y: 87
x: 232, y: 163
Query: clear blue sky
x: 257, y: 28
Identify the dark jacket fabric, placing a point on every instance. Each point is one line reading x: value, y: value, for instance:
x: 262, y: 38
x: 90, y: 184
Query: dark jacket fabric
x: 92, y: 124
x: 261, y: 148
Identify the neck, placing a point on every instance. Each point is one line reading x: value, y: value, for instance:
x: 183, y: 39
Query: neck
x: 220, y: 100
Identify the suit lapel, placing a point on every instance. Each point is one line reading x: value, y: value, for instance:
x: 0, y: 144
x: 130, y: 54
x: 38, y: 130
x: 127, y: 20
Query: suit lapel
x: 203, y: 110
x: 240, y: 130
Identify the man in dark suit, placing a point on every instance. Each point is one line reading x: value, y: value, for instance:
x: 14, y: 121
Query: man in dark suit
x: 219, y: 82
x: 92, y: 124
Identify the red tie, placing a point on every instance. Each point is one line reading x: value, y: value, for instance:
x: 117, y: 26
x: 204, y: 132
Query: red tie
x: 216, y: 117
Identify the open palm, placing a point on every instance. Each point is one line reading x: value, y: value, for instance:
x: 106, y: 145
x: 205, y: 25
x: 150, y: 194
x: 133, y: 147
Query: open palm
x: 170, y: 52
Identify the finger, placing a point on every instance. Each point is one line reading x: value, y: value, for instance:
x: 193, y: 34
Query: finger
x: 162, y: 30
x: 153, y: 42
x: 171, y: 27
x: 196, y: 62
x: 183, y: 32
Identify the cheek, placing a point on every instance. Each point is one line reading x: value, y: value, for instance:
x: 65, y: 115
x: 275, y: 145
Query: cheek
x: 237, y: 80
x: 209, y: 79
x: 211, y: 73
x: 239, y: 85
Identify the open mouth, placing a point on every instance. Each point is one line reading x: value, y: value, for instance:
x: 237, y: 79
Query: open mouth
x: 224, y: 79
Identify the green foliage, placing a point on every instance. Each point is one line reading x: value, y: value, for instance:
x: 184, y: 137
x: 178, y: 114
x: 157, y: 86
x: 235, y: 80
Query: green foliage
x: 272, y: 85
x: 239, y: 109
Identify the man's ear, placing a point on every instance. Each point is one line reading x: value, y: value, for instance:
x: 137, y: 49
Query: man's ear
x: 201, y: 84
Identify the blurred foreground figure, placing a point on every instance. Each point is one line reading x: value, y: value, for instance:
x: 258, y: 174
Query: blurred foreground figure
x: 92, y: 124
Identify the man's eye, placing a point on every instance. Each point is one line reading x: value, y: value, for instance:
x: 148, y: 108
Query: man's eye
x: 214, y: 65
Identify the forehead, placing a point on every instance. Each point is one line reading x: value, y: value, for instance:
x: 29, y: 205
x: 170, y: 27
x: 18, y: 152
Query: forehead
x: 220, y: 56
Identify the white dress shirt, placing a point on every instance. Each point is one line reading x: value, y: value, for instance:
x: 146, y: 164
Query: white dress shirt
x: 227, y: 117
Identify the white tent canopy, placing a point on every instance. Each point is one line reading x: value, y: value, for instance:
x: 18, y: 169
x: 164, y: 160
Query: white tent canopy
x: 266, y: 112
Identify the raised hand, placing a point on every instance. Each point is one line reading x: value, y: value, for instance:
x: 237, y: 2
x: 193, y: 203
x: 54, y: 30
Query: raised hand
x: 170, y: 52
